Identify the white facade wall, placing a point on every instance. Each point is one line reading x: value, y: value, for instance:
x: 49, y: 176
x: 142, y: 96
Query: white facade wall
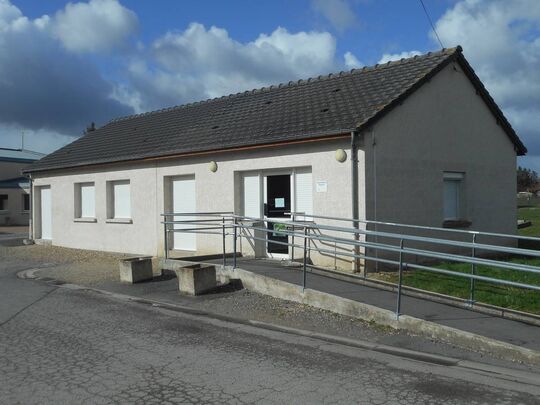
x: 219, y: 191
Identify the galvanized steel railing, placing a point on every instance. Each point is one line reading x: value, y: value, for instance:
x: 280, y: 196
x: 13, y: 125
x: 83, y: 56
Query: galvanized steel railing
x: 237, y: 226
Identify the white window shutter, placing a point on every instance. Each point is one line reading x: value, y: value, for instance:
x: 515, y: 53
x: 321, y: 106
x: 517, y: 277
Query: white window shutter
x: 88, y: 201
x: 46, y: 213
x: 451, y: 199
x: 304, y: 192
x: 184, y: 201
x: 252, y: 196
x: 122, y: 200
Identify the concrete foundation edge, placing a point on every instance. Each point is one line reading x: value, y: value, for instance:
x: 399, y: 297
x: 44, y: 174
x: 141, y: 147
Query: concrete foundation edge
x: 287, y: 291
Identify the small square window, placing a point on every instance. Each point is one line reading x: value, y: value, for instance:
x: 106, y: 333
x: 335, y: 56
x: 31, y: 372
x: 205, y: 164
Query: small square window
x: 85, y: 200
x: 26, y: 202
x: 118, y: 200
x: 3, y: 202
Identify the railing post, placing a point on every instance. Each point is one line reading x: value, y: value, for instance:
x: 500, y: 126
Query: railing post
x: 292, y: 237
x: 473, y: 272
x: 335, y: 255
x: 234, y: 242
x: 305, y: 259
x: 223, y: 240
x: 400, y: 282
x: 165, y: 237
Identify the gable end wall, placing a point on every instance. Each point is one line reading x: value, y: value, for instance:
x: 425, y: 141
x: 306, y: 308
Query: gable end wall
x: 443, y: 126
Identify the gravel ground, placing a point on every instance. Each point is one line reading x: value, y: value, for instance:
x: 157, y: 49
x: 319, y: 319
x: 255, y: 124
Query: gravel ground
x: 100, y: 270
x: 75, y: 266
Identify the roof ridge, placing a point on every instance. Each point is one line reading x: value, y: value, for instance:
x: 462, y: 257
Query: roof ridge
x: 292, y: 83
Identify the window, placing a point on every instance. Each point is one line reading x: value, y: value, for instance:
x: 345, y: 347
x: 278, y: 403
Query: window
x: 453, y: 196
x: 26, y: 202
x: 85, y: 200
x: 3, y: 202
x: 118, y: 200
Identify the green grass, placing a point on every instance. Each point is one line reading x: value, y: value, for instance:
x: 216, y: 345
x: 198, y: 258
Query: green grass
x: 489, y: 293
x: 503, y: 296
x: 530, y: 214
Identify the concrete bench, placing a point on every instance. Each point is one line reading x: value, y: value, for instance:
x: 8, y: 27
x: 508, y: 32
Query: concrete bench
x: 196, y: 279
x: 136, y: 269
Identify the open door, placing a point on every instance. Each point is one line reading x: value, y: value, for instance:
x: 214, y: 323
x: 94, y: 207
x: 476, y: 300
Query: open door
x: 277, y: 207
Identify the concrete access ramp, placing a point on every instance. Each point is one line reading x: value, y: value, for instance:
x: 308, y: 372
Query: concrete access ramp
x: 488, y: 333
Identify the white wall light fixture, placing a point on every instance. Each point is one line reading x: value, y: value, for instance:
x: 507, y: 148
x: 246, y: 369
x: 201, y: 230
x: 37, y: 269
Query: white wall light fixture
x: 213, y: 166
x: 341, y: 155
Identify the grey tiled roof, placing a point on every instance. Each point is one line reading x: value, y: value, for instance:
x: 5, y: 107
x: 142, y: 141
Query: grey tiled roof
x: 328, y: 105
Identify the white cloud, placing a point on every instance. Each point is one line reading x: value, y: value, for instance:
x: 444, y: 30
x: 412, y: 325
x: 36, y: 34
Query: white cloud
x: 351, y: 61
x: 337, y: 12
x: 200, y: 63
x: 8, y: 13
x: 40, y: 140
x: 99, y: 25
x: 52, y: 88
x: 501, y: 39
x: 44, y: 88
x: 387, y: 57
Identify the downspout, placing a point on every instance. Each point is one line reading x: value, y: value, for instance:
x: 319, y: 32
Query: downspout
x: 374, y: 174
x: 30, y: 240
x: 354, y: 193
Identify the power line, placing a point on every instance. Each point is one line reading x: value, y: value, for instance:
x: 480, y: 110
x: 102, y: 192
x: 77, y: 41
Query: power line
x: 431, y: 23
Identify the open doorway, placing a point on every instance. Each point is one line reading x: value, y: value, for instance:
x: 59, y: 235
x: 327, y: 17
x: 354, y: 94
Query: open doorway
x: 272, y: 195
x: 277, y: 207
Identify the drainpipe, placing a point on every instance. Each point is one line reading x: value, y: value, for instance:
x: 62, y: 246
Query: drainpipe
x: 374, y: 174
x: 354, y: 193
x: 30, y: 240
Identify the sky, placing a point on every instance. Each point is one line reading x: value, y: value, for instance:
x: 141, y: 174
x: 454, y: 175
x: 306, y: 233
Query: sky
x: 65, y: 64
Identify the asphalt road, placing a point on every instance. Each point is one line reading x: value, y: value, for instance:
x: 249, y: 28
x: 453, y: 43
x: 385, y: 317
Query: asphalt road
x: 61, y: 345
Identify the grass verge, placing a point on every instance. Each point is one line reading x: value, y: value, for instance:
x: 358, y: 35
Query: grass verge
x: 530, y: 214
x: 503, y: 296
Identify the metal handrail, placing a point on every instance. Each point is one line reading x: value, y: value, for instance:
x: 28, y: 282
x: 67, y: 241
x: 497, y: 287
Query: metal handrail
x: 204, y: 214
x: 392, y: 248
x: 469, y: 245
x: 238, y: 222
x: 422, y: 227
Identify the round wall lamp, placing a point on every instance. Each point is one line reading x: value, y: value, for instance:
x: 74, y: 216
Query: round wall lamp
x: 212, y: 166
x: 341, y: 155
